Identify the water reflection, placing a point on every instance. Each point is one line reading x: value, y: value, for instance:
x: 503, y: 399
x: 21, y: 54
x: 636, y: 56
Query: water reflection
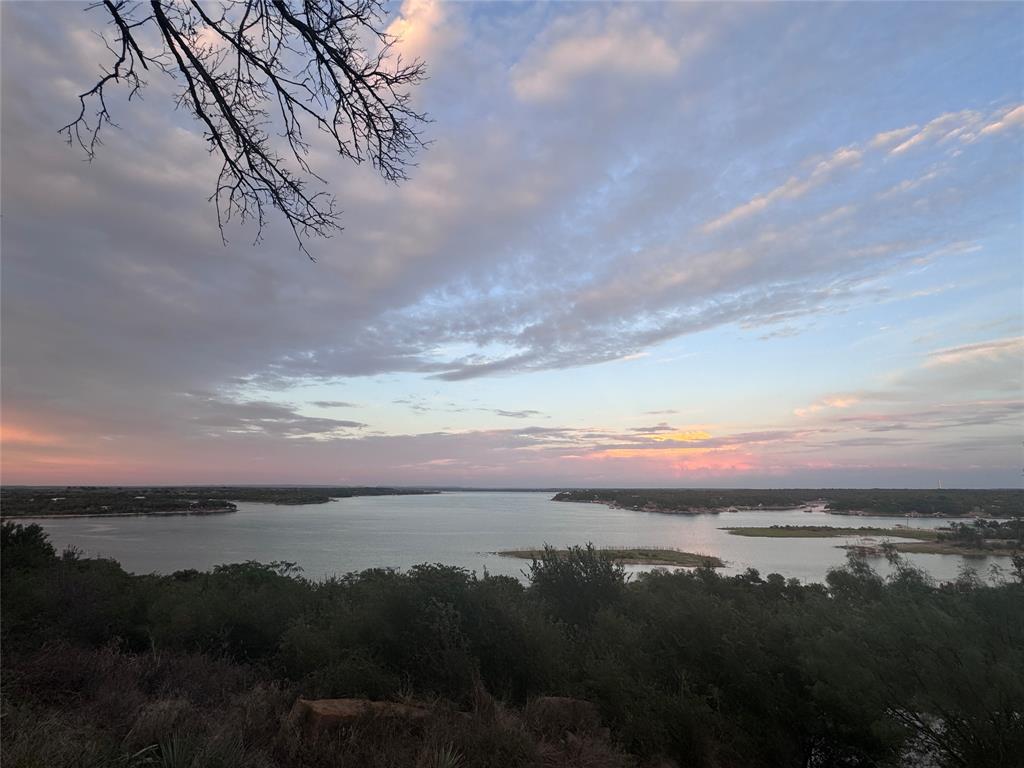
x: 464, y: 529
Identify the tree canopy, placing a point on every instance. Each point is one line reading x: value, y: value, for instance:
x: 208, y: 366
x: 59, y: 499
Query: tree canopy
x: 258, y: 75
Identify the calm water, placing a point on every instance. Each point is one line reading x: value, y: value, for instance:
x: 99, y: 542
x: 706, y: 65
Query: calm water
x: 460, y: 529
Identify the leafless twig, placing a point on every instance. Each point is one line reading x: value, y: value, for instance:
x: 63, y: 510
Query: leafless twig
x: 252, y: 70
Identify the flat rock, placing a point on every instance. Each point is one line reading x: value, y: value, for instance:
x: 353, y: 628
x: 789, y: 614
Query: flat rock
x: 315, y: 715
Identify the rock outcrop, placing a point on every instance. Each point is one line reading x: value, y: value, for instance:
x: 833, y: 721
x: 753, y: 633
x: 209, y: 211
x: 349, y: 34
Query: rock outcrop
x: 315, y: 715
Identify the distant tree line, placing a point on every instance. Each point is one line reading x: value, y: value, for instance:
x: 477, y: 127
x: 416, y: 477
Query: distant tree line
x: 86, y: 500
x: 686, y: 668
x: 938, y: 502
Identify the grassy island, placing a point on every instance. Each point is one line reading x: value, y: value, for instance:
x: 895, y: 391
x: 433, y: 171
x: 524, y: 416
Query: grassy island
x: 984, y: 537
x: 630, y: 556
x: 948, y: 547
x: 828, y: 531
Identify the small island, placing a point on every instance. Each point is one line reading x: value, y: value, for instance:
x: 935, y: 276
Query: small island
x: 828, y: 531
x: 631, y: 556
x: 980, y: 539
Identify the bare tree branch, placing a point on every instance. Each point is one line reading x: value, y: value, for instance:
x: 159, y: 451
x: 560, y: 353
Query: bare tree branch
x: 251, y: 71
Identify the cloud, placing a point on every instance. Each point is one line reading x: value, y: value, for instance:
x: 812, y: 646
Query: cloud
x: 908, y: 185
x: 216, y: 416
x: 12, y: 436
x: 517, y: 414
x: 332, y: 404
x: 971, y: 385
x: 887, y: 138
x: 1012, y: 117
x: 982, y: 413
x: 420, y: 28
x: 795, y: 187
x: 619, y: 46
x: 682, y: 436
x: 528, y: 239
x: 965, y: 126
x: 651, y: 430
x: 837, y: 401
x: 984, y: 351
x: 491, y: 252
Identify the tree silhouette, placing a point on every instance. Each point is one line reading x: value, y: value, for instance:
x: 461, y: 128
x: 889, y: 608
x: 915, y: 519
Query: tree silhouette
x: 257, y: 74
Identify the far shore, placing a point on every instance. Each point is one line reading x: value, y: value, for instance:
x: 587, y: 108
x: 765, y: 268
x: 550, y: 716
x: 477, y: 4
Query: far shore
x: 162, y: 513
x: 849, y: 502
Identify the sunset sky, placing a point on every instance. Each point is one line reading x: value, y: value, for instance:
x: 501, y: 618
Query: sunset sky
x: 650, y: 244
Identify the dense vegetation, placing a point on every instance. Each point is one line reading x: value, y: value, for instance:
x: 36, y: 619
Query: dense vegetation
x: 102, y: 668
x: 981, y: 531
x: 940, y: 502
x: 627, y: 556
x: 982, y: 537
x: 87, y: 500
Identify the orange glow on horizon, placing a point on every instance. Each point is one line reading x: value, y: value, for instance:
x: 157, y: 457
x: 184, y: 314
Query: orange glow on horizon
x: 683, y: 436
x: 652, y: 453
x: 11, y: 435
x: 719, y: 460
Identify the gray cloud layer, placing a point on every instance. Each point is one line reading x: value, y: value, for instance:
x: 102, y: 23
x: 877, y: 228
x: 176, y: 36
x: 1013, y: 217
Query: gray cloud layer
x: 554, y: 222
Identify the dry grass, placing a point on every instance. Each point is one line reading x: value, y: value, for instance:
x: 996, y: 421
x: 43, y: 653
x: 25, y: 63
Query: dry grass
x: 64, y: 706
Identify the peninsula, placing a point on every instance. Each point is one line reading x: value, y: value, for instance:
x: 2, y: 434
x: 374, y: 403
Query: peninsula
x: 96, y: 501
x: 947, y: 503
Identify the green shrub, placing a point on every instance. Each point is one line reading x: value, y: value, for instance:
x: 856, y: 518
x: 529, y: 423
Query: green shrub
x: 24, y: 546
x: 575, y: 583
x: 241, y: 610
x: 102, y: 668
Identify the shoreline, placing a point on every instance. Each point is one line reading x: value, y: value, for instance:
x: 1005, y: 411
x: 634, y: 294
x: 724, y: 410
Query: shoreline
x: 171, y: 513
x: 796, y: 508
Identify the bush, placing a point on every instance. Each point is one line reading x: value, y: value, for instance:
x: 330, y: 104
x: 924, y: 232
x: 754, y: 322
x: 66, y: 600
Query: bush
x: 240, y: 610
x: 574, y: 584
x: 24, y: 546
x: 102, y: 668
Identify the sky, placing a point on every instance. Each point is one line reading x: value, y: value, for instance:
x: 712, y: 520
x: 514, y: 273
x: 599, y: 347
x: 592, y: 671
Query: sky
x: 657, y: 244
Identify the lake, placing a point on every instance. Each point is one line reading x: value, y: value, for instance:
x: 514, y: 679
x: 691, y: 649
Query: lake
x: 462, y: 529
